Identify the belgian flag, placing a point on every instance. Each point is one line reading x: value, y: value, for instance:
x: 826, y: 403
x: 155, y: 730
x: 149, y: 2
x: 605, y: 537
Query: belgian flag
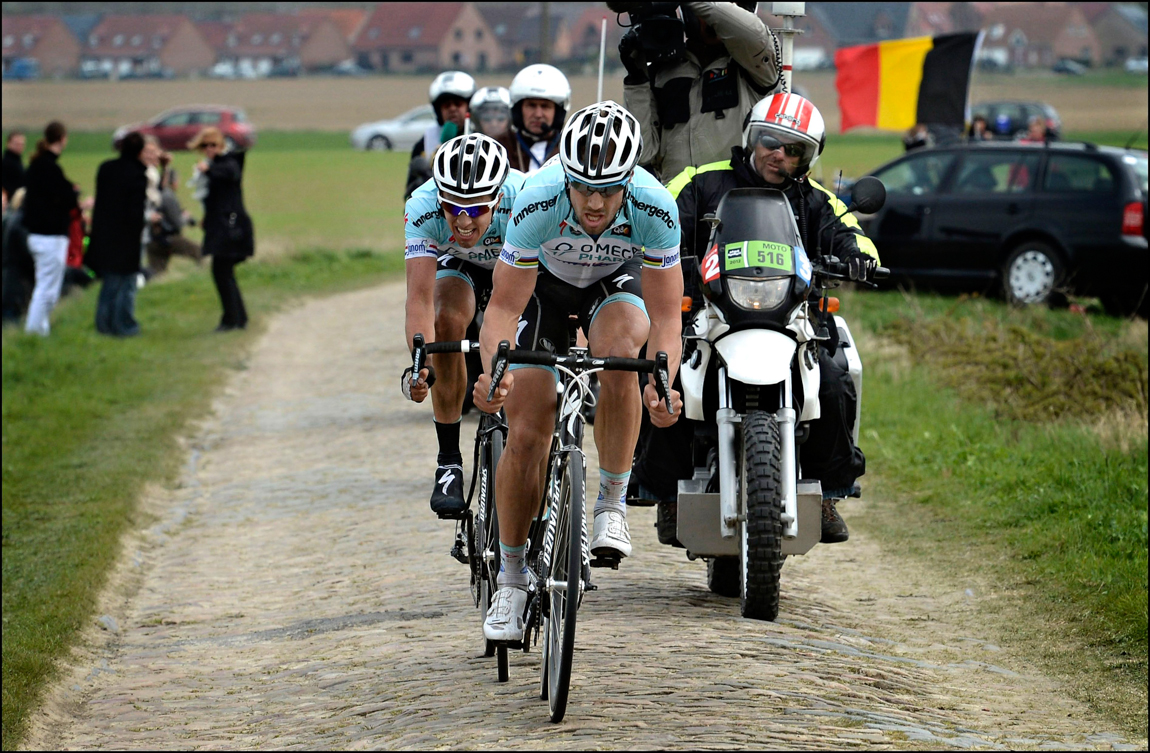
x: 899, y: 83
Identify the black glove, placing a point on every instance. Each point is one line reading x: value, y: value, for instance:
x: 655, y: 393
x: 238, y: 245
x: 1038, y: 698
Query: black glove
x: 634, y: 60
x: 860, y: 267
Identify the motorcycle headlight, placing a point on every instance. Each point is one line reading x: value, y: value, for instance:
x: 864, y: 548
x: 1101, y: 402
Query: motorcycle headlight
x: 758, y: 295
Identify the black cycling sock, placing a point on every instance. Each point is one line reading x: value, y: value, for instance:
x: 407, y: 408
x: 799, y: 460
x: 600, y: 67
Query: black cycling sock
x: 448, y: 435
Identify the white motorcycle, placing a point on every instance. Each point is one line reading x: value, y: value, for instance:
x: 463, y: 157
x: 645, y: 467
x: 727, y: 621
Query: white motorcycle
x: 750, y: 372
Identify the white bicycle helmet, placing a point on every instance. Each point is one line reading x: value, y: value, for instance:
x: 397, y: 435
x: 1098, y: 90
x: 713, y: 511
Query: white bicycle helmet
x: 788, y: 119
x: 470, y: 167
x: 600, y: 145
x: 540, y: 81
x: 450, y: 83
x: 491, y: 104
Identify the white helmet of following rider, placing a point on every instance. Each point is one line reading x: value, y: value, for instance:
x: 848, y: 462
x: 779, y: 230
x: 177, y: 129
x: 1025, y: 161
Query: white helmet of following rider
x: 786, y: 119
x: 491, y: 95
x: 600, y: 145
x: 470, y: 167
x: 540, y: 81
x: 450, y: 83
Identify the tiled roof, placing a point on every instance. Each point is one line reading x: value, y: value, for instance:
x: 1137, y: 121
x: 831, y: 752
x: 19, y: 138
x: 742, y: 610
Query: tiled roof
x: 271, y: 34
x: 407, y: 25
x: 119, y: 36
x: 22, y: 33
x: 347, y: 20
x: 215, y: 33
x: 1040, y: 23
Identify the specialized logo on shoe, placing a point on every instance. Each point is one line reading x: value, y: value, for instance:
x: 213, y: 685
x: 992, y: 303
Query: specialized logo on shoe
x: 446, y: 480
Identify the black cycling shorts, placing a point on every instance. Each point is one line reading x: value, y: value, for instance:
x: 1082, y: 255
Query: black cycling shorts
x: 474, y: 275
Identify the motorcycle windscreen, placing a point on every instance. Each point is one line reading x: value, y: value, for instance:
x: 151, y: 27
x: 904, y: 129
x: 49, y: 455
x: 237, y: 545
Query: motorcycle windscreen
x: 758, y: 237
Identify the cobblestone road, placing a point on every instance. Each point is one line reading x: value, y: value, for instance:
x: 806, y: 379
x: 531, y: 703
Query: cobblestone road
x: 297, y: 593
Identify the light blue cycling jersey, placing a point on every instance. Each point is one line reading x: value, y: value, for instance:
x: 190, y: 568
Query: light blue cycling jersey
x: 544, y: 230
x: 427, y: 233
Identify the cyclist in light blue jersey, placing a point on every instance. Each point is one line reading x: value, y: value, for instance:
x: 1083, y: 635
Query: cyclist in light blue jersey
x: 455, y: 226
x: 595, y: 237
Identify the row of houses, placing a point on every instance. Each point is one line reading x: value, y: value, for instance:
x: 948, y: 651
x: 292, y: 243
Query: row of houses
x: 417, y: 37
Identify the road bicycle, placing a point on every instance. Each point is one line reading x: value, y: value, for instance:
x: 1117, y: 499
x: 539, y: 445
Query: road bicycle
x: 477, y: 530
x: 560, y: 558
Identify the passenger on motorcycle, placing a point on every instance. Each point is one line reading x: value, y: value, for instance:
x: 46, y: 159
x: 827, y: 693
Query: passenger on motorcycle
x: 455, y: 225
x: 591, y: 236
x: 782, y: 139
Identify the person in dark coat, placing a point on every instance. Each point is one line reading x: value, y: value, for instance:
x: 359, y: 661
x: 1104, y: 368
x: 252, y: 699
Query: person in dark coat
x: 48, y: 203
x: 19, y: 269
x: 116, y: 239
x: 228, y: 234
x: 13, y: 163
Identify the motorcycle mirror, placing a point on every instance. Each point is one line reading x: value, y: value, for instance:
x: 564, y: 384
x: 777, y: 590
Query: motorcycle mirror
x: 868, y: 195
x: 713, y: 218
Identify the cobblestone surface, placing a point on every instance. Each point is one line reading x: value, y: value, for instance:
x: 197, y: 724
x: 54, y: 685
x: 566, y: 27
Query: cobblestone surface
x: 297, y: 593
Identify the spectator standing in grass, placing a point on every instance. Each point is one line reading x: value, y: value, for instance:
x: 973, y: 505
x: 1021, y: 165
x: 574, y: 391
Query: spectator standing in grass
x: 48, y: 204
x: 1035, y: 131
x: 978, y: 130
x: 917, y: 138
x: 19, y: 273
x: 228, y: 234
x: 13, y: 163
x: 117, y: 233
x: 166, y: 230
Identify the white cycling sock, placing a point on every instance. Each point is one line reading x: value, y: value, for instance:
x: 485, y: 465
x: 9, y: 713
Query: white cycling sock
x: 513, y: 566
x: 612, y: 491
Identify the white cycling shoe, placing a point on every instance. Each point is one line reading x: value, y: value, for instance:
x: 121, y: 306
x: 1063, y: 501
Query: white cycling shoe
x: 505, y: 616
x: 610, y: 535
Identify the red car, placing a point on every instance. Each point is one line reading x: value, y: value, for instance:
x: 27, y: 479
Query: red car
x: 176, y: 127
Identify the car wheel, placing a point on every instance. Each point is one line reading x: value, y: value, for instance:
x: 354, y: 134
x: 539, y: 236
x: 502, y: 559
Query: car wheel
x: 379, y: 143
x: 1031, y: 274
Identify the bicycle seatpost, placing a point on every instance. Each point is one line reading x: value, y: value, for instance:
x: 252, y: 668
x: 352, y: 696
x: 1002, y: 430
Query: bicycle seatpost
x: 417, y: 357
x: 663, y: 381
x: 498, y: 367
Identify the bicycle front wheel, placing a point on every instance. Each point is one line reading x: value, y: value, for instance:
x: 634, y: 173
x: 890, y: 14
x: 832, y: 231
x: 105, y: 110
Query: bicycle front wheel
x: 564, y: 584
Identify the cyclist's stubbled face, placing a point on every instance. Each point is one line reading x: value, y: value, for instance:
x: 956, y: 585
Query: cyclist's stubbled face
x: 468, y: 230
x: 538, y: 115
x: 595, y: 212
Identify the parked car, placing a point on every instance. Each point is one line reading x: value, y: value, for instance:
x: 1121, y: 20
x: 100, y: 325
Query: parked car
x: 348, y: 68
x: 1009, y: 119
x: 397, y: 133
x: 175, y: 127
x: 1030, y: 220
x: 1069, y: 67
x: 1136, y: 65
x: 23, y: 69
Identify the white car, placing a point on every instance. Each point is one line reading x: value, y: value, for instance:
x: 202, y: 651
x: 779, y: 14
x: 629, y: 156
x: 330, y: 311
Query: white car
x: 1136, y: 65
x: 398, y: 133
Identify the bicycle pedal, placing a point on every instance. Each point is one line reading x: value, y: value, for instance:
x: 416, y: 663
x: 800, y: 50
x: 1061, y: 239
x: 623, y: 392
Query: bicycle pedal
x: 452, y: 515
x: 611, y: 562
x: 459, y: 555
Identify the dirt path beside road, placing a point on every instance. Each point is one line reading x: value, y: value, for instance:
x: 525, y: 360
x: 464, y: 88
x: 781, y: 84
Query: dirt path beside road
x: 296, y: 592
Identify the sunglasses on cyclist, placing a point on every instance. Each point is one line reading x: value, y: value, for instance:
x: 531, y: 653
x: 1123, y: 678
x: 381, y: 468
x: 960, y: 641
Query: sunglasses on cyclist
x: 471, y: 210
x: 587, y: 190
x: 770, y: 143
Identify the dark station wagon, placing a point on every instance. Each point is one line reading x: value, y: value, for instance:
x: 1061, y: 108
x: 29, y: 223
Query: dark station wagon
x: 1034, y: 221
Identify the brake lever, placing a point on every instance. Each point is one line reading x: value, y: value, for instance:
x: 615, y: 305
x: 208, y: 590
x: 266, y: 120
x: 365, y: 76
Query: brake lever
x: 662, y: 381
x: 417, y: 357
x: 498, y: 368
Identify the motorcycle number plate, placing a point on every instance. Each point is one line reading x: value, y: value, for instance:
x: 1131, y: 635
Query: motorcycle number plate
x: 777, y: 256
x: 711, y: 264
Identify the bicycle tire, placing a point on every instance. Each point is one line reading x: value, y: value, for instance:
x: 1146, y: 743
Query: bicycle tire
x: 489, y: 536
x: 567, y: 553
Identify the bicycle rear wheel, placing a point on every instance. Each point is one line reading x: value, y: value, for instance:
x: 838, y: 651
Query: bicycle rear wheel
x: 564, y: 583
x: 487, y: 536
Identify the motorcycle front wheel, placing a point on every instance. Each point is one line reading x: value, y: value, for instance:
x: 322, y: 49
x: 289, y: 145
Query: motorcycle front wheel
x: 761, y: 528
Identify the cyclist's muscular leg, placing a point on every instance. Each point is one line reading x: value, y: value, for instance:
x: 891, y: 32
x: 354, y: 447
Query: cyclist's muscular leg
x: 619, y: 329
x: 454, y: 310
x: 518, y: 484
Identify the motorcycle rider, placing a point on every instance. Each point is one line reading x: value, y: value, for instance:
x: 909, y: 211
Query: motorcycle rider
x: 594, y: 236
x: 454, y: 225
x: 491, y: 114
x: 782, y: 138
x: 540, y: 98
x: 449, y: 94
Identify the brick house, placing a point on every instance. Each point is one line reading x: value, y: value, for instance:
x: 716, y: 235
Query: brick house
x: 264, y: 41
x: 348, y: 20
x: 1037, y: 35
x: 584, y: 33
x: 426, y: 37
x: 43, y: 38
x: 148, y: 45
x: 1121, y: 31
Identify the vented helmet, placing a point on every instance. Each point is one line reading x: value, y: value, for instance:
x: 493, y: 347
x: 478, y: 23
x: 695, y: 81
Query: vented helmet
x: 786, y: 119
x: 600, y: 145
x: 540, y: 81
x: 470, y: 167
x: 450, y: 83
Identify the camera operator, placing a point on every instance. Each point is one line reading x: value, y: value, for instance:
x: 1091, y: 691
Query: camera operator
x: 691, y: 98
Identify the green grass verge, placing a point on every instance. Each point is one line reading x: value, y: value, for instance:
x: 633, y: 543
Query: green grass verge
x: 1061, y: 505
x: 89, y: 420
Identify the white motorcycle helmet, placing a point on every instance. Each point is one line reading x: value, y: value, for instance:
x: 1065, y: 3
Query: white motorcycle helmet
x: 470, y: 167
x: 600, y: 145
x: 787, y: 119
x: 540, y: 81
x: 491, y: 104
x: 450, y: 83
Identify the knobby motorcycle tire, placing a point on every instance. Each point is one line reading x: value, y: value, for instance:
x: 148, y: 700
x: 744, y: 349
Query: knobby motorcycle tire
x: 763, y: 529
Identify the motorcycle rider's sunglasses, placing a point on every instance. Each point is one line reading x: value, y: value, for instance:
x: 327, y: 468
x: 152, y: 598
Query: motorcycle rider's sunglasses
x: 770, y: 143
x: 471, y: 210
x: 587, y: 190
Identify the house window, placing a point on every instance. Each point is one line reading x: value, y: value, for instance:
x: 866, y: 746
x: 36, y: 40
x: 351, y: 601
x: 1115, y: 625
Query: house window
x: 457, y: 58
x: 373, y: 33
x: 137, y: 40
x: 257, y: 38
x: 459, y: 35
x: 157, y: 42
x: 414, y: 32
x: 9, y: 40
x: 483, y: 61
x: 93, y: 40
x: 500, y: 30
x: 276, y: 38
x: 478, y: 34
x: 118, y: 40
x: 29, y: 41
x: 407, y: 57
x: 232, y: 41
